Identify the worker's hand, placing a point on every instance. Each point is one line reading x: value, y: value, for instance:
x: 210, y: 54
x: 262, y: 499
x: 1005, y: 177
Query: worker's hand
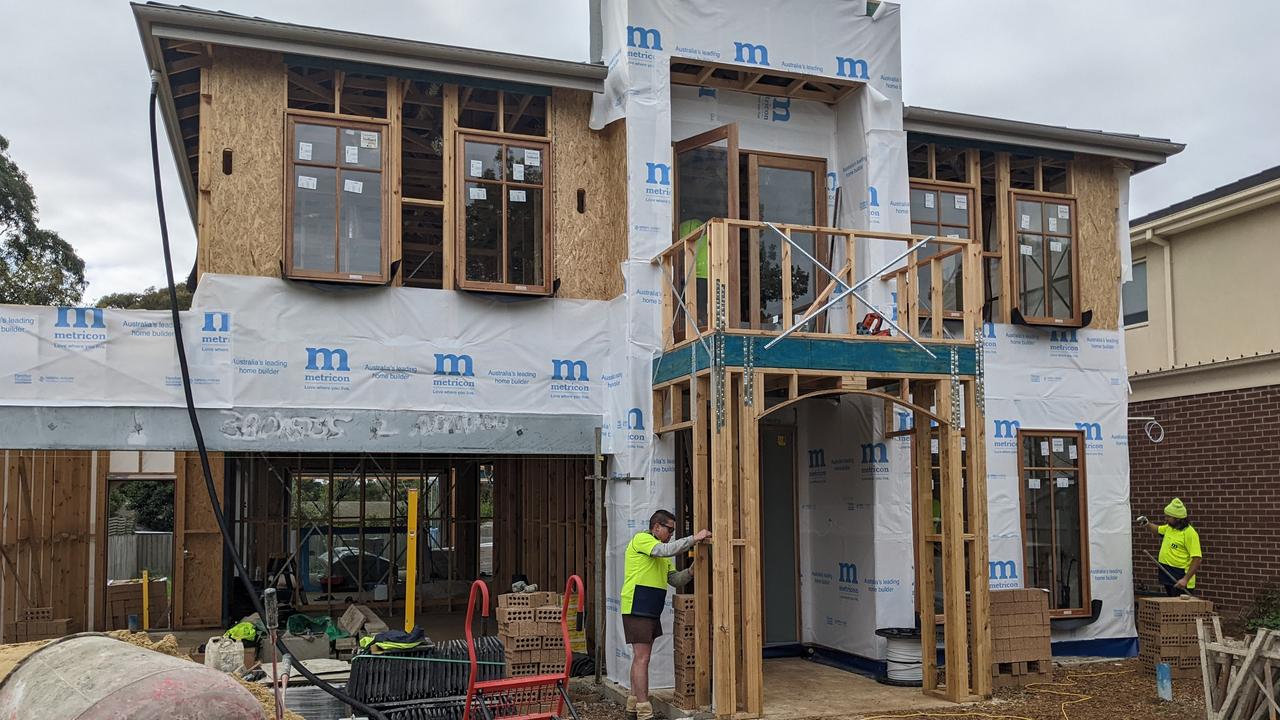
x: 1181, y: 584
x: 1142, y: 520
x: 702, y: 536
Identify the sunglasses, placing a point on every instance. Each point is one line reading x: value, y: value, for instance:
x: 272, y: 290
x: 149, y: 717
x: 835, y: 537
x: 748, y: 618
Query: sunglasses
x: 669, y: 528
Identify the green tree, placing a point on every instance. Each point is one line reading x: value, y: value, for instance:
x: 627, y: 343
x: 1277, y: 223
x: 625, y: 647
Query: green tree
x: 152, y: 298
x: 151, y: 500
x: 37, y: 267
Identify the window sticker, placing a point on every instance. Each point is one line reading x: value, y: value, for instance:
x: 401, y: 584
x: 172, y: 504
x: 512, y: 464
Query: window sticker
x: 1033, y: 483
x: 533, y: 158
x: 1025, y: 222
x: 962, y: 202
x: 517, y: 172
x: 928, y: 200
x: 304, y: 151
x: 353, y: 186
x: 306, y: 182
x: 1026, y: 250
x: 1064, y: 212
x: 478, y: 193
x: 517, y: 196
x: 1064, y: 482
x: 1055, y: 246
x: 368, y: 140
x: 1044, y: 448
x: 352, y: 155
x: 477, y: 168
x: 1071, y: 452
x: 1057, y: 444
x: 1053, y: 224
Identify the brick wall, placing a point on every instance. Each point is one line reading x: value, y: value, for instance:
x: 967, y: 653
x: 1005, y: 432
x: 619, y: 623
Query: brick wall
x: 1221, y: 455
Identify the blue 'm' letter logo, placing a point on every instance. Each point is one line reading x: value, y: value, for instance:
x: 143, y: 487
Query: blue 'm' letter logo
x: 1007, y: 428
x: 851, y: 68
x: 659, y: 173
x: 85, y: 317
x: 450, y: 364
x: 874, y: 453
x: 216, y: 322
x: 1002, y: 570
x: 575, y: 370
x: 848, y: 573
x: 1092, y: 431
x: 750, y: 53
x: 635, y: 419
x: 817, y: 458
x: 873, y: 195
x: 319, y: 358
x: 643, y: 37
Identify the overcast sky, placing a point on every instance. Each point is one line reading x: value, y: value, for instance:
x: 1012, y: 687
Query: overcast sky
x: 74, y: 86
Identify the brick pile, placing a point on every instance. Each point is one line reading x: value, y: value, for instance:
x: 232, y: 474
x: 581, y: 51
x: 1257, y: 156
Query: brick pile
x: 1167, y: 634
x: 529, y: 629
x: 39, y: 624
x: 685, y: 659
x: 1020, y: 651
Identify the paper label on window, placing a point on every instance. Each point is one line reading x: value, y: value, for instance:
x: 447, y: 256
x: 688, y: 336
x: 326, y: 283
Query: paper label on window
x: 304, y: 151
x: 1064, y: 482
x: 517, y: 172
x: 1033, y: 483
x: 1025, y: 222
x: 1054, y: 245
x: 517, y: 196
x: 962, y: 202
x: 1058, y: 444
x: 476, y: 193
x: 368, y: 140
x: 477, y: 168
x: 1071, y: 452
x: 1026, y: 250
x: 953, y: 235
x: 533, y: 158
x: 933, y: 445
x: 1044, y: 448
x: 1053, y: 224
x: 928, y: 200
x: 1064, y: 212
x: 306, y: 182
x: 352, y: 156
x: 353, y: 186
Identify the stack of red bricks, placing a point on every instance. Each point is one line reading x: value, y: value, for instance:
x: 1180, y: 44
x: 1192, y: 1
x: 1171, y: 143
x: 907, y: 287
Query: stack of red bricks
x: 1167, y: 634
x: 529, y: 628
x: 685, y: 659
x: 1020, y: 651
x: 39, y: 624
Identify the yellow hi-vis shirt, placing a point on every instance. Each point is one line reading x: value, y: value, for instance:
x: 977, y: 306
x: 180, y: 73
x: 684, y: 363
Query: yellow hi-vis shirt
x: 1178, y: 547
x: 644, y: 583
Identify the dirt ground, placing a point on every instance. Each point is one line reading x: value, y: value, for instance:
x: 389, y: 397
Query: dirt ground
x: 1115, y: 690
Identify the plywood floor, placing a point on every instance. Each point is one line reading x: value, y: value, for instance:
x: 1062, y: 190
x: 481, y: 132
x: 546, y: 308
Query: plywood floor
x: 797, y: 689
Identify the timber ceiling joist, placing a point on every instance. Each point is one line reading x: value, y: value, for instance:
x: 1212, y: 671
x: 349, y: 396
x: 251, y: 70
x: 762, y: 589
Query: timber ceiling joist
x: 760, y: 81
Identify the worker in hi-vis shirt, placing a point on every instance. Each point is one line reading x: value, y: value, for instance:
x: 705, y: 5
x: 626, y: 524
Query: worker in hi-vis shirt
x: 1180, y: 553
x: 647, y: 570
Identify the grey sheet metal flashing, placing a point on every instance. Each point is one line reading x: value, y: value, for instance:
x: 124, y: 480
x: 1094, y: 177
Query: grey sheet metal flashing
x: 196, y: 25
x: 1144, y: 151
x: 298, y: 430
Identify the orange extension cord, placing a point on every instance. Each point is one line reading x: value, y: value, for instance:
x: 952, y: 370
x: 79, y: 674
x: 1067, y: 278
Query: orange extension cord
x: 1076, y: 697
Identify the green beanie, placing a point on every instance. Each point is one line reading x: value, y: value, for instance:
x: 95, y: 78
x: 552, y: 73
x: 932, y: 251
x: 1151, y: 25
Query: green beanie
x: 1175, y: 509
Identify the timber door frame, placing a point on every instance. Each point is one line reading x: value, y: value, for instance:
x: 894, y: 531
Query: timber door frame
x: 189, y: 488
x: 791, y: 431
x: 729, y: 135
x: 782, y: 161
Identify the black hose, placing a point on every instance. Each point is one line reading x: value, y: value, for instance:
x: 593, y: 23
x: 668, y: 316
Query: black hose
x: 195, y: 427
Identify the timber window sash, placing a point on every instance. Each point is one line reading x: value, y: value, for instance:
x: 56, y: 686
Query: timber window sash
x: 503, y: 204
x: 1046, y: 259
x: 1055, y: 525
x: 945, y: 211
x: 337, y: 200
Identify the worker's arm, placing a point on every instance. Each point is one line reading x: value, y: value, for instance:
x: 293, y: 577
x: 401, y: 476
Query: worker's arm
x: 673, y: 548
x: 1193, y: 547
x: 681, y: 578
x: 1142, y: 521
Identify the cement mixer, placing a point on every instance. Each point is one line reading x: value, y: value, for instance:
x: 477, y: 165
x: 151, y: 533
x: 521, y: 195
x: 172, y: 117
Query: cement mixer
x: 90, y: 676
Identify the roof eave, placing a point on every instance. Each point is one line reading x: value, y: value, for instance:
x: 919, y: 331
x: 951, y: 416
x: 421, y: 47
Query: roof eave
x: 202, y: 26
x: 168, y: 112
x: 1210, y: 211
x: 1143, y: 152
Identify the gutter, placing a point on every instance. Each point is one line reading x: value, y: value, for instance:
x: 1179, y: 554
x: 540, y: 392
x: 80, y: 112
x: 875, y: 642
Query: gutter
x: 1212, y: 365
x: 1145, y: 152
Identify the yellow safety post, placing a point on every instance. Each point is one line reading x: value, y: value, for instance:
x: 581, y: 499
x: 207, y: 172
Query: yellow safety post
x: 146, y: 600
x: 411, y: 562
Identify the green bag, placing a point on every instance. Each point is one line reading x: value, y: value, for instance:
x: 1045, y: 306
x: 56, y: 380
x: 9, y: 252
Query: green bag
x: 242, y: 631
x: 300, y: 624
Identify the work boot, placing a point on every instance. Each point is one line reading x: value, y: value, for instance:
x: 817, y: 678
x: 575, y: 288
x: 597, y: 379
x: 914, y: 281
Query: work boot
x: 630, y: 714
x: 644, y: 711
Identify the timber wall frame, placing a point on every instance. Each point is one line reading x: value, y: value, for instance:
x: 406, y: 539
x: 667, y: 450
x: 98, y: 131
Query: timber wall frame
x: 726, y: 499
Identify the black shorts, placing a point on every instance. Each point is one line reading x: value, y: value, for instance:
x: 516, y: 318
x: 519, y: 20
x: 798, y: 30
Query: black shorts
x: 641, y: 630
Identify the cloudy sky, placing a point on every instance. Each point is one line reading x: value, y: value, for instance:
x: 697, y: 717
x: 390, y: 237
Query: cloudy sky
x: 74, y: 85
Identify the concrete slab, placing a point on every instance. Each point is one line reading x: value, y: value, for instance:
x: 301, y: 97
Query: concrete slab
x: 798, y: 689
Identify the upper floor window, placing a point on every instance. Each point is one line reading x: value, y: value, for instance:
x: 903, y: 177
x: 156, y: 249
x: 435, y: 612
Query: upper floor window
x: 942, y: 211
x: 1133, y: 296
x: 337, y: 210
x: 942, y: 163
x: 1045, y: 269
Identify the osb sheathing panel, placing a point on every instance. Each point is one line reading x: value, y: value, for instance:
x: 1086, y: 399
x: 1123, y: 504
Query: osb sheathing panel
x: 589, y: 246
x: 244, y: 219
x: 1097, y: 199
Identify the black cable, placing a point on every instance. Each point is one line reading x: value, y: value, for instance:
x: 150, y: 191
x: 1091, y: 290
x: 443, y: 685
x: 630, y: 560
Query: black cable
x: 195, y: 428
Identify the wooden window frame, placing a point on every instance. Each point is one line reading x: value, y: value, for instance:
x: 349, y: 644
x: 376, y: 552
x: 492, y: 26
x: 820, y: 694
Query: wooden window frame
x: 1043, y: 198
x: 941, y: 186
x: 383, y: 128
x: 531, y: 142
x: 1086, y: 590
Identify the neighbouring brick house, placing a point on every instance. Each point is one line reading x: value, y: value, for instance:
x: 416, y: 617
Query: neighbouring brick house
x: 1203, y: 349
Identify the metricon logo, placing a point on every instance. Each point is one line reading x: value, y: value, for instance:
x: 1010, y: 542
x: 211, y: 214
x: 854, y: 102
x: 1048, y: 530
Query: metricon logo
x: 84, y: 317
x: 750, y: 53
x: 851, y: 68
x: 643, y: 37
